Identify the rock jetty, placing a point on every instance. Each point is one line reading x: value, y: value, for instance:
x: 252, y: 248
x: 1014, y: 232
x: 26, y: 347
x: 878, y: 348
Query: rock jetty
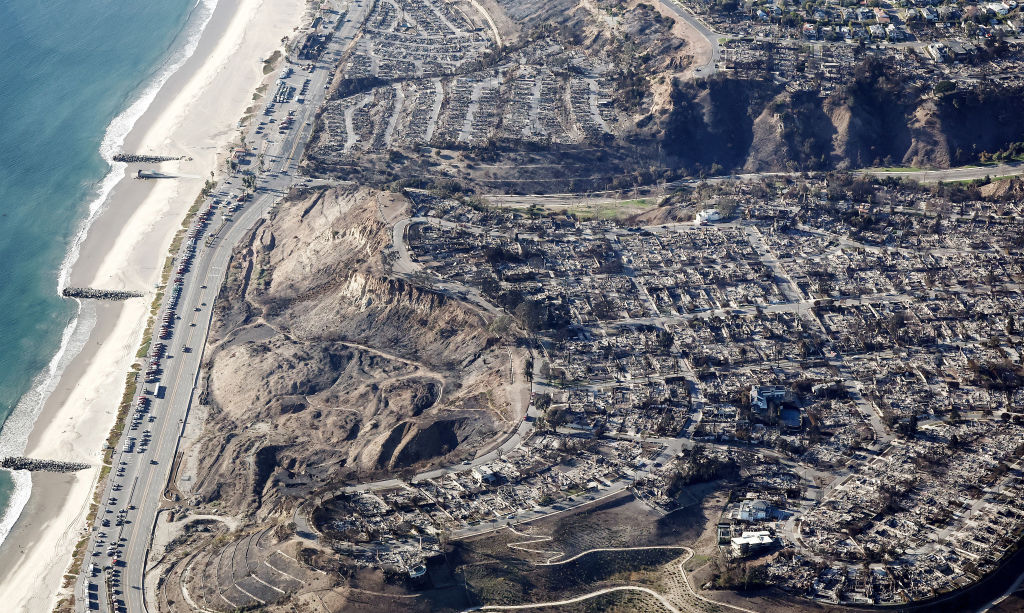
x: 51, y: 466
x: 100, y: 294
x: 147, y: 159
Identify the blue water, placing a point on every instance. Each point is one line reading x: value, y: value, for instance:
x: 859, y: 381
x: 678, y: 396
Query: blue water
x: 67, y: 69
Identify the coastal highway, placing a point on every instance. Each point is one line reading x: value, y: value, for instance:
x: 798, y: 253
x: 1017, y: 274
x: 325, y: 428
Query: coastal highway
x: 133, y: 494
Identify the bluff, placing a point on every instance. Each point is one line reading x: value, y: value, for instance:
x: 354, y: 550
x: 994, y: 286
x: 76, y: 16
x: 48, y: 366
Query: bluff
x: 751, y: 125
x: 325, y: 367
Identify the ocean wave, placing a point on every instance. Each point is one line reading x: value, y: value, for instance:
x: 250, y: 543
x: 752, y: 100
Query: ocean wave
x: 121, y: 126
x: 22, y: 480
x: 18, y: 426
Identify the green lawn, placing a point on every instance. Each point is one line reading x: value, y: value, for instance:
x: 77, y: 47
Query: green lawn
x: 972, y: 181
x: 696, y: 562
x: 896, y: 169
x: 611, y: 210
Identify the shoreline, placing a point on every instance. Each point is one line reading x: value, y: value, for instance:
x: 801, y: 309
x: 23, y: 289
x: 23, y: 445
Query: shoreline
x: 194, y: 113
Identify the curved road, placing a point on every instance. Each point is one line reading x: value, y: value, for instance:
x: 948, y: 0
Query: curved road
x: 133, y: 494
x: 709, y: 67
x: 665, y: 602
x: 558, y: 603
x: 134, y: 498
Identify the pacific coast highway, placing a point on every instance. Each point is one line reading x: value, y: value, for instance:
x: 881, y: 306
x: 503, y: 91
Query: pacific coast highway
x: 133, y: 493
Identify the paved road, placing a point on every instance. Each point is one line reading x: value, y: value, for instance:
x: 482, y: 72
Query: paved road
x: 405, y: 266
x: 569, y: 200
x: 134, y: 492
x: 514, y: 440
x: 711, y: 65
x: 673, y: 597
x: 954, y: 174
x: 673, y: 446
x: 133, y: 495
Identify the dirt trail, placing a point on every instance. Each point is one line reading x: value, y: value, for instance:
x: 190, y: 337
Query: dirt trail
x: 679, y: 597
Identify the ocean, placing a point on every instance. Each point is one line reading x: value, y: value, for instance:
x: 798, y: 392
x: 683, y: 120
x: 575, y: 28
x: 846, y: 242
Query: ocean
x: 75, y: 75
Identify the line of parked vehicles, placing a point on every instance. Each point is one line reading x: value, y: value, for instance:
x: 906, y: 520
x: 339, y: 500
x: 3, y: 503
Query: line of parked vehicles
x: 142, y: 413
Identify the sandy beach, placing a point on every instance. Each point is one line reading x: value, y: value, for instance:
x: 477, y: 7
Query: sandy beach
x: 195, y: 114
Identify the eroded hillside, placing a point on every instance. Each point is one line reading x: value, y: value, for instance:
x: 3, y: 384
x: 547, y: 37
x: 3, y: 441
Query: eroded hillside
x: 324, y: 368
x: 569, y: 96
x: 527, y: 100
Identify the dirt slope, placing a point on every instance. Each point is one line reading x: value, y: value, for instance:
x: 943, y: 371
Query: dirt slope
x: 324, y: 368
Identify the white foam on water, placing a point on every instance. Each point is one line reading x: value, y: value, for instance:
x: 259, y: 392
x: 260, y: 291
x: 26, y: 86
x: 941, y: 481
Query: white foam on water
x: 121, y: 126
x: 18, y: 427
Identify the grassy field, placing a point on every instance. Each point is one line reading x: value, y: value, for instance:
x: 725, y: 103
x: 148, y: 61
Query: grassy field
x: 896, y: 169
x: 973, y: 181
x: 610, y: 210
x: 696, y: 562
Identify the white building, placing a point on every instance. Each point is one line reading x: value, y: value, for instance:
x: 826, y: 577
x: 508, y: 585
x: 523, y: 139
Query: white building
x: 750, y: 542
x: 705, y: 216
x: 751, y: 510
x: 484, y: 474
x: 761, y: 395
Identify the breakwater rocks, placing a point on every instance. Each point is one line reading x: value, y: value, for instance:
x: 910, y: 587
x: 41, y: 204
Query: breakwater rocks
x: 100, y: 294
x: 147, y: 159
x: 52, y: 466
